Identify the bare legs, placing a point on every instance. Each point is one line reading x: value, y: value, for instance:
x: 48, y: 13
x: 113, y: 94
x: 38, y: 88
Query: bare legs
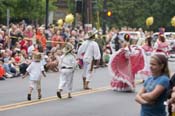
x: 85, y: 84
x: 30, y: 93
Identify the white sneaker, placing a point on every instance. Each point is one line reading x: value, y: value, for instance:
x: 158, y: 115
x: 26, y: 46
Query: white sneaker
x: 8, y: 75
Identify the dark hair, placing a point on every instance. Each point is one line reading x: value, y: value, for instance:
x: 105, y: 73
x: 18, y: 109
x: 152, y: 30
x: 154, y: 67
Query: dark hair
x: 2, y: 60
x: 148, y: 39
x: 127, y: 37
x: 162, y: 38
x: 13, y: 54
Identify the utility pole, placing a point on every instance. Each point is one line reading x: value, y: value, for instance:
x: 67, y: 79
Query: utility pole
x: 87, y: 10
x: 104, y: 16
x: 47, y: 14
x: 84, y: 12
x: 90, y: 11
x: 8, y: 17
x: 78, y: 11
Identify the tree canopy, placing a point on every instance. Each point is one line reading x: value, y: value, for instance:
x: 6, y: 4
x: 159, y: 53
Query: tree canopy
x: 132, y: 13
x: 33, y: 10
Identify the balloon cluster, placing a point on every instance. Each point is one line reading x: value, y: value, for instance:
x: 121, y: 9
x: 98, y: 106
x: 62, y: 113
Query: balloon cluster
x: 69, y: 19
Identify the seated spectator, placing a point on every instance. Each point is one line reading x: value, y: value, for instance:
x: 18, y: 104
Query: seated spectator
x: 24, y: 63
x: 2, y: 71
x: 24, y: 54
x: 6, y: 65
x: 52, y: 63
x: 23, y: 45
x: 1, y: 37
x: 15, y: 59
x: 20, y: 62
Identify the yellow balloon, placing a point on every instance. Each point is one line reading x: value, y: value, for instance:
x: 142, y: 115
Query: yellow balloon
x: 60, y: 22
x: 149, y: 21
x: 173, y: 21
x: 69, y: 18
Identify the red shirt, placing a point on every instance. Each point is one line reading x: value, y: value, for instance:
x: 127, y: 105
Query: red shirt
x: 2, y: 72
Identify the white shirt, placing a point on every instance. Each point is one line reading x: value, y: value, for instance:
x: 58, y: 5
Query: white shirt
x: 68, y: 60
x: 35, y: 69
x: 91, y: 51
x: 30, y: 49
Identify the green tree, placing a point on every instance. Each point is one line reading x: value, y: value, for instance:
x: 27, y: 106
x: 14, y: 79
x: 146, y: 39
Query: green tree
x: 133, y: 13
x: 33, y: 10
x: 71, y: 5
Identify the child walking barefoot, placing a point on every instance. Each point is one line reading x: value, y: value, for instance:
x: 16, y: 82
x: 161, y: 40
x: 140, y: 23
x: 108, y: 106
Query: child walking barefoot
x: 35, y: 69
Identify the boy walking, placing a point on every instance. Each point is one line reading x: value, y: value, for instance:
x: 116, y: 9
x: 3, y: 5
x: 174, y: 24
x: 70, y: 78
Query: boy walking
x: 67, y: 66
x: 35, y: 69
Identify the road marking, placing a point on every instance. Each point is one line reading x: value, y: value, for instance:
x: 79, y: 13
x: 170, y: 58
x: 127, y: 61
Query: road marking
x: 52, y: 98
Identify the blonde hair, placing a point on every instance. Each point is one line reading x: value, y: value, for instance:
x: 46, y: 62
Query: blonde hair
x: 37, y: 57
x: 162, y: 60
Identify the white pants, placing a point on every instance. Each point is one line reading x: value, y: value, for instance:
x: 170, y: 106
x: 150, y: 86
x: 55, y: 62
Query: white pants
x: 86, y: 71
x: 66, y: 79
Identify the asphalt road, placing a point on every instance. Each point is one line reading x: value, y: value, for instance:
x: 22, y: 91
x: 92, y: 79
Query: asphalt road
x: 100, y: 101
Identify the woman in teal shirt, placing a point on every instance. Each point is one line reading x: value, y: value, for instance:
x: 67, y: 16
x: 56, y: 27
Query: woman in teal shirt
x: 154, y: 92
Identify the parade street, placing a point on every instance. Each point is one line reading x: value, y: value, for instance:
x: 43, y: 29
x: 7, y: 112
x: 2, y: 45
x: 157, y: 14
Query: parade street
x: 99, y: 101
x: 87, y: 58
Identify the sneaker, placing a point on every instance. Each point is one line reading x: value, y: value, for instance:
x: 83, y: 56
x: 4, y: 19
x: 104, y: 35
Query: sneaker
x: 29, y: 97
x: 59, y: 94
x: 8, y: 75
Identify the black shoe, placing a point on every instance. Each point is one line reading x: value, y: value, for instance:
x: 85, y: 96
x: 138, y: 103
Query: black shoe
x: 69, y: 95
x: 29, y: 97
x: 87, y: 88
x: 39, y: 96
x: 59, y: 94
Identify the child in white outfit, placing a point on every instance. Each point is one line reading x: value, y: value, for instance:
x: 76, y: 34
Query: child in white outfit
x: 35, y: 69
x: 67, y: 66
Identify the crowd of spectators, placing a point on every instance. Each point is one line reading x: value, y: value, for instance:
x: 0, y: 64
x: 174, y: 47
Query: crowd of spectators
x: 19, y: 41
